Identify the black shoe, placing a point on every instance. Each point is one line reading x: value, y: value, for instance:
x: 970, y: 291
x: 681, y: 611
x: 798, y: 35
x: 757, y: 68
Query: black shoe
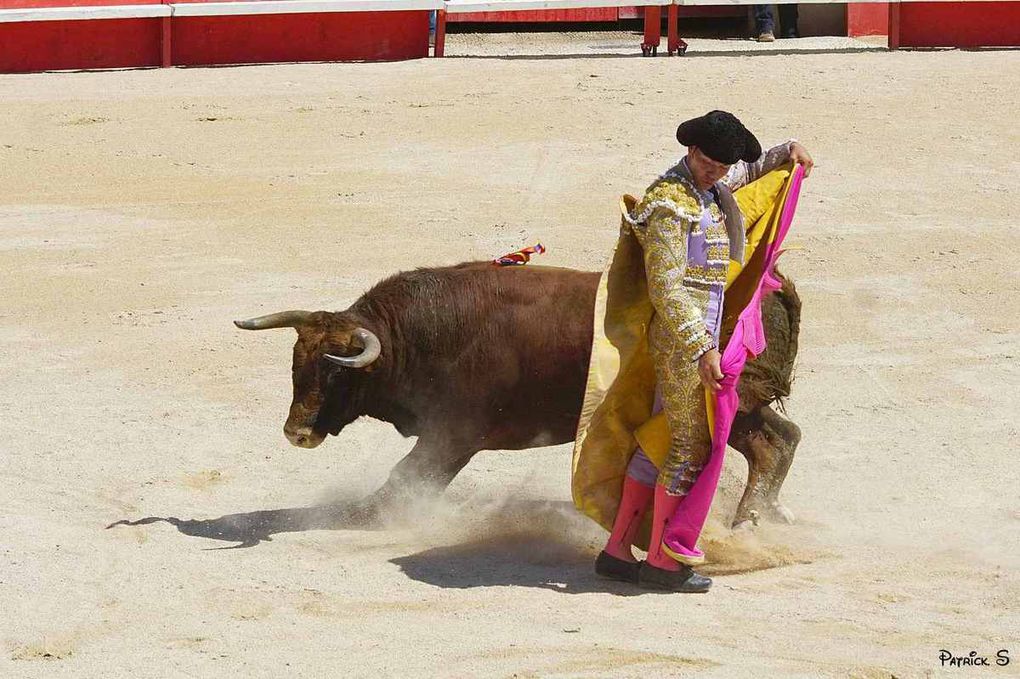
x: 684, y: 580
x: 616, y: 569
x: 786, y: 35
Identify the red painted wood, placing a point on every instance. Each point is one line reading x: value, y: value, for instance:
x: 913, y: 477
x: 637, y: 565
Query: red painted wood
x: 894, y: 26
x: 336, y: 36
x: 166, y: 42
x: 959, y: 24
x: 867, y: 19
x: 96, y: 43
x: 653, y: 26
x: 440, y: 48
x: 125, y: 43
x: 538, y: 16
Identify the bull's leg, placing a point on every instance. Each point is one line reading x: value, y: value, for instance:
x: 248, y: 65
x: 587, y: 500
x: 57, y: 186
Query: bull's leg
x: 768, y: 441
x: 426, y: 471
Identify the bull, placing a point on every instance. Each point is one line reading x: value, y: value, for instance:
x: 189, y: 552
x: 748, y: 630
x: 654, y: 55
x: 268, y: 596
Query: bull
x: 478, y: 357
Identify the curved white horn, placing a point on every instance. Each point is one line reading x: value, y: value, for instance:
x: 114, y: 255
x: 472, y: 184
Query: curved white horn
x: 370, y: 352
x: 281, y: 319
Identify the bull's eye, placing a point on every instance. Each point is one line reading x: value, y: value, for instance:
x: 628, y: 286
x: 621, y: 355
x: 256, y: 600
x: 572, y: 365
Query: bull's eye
x: 328, y: 373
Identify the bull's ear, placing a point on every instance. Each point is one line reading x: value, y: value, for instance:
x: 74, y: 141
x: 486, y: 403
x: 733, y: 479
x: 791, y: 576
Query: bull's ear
x: 281, y: 319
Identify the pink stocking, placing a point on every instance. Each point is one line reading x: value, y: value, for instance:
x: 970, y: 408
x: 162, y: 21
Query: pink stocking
x: 664, y: 508
x: 633, y: 506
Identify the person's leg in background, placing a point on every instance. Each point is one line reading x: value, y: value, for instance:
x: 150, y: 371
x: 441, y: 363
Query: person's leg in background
x: 764, y: 23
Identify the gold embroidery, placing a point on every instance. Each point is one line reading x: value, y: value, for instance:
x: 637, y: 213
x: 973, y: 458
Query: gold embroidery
x: 716, y: 231
x: 720, y: 252
x: 671, y: 191
x: 705, y: 274
x: 680, y: 293
x: 684, y: 405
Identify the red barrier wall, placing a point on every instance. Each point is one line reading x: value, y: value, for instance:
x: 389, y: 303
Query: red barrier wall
x: 867, y: 19
x: 99, y: 43
x: 333, y: 36
x: 263, y: 38
x: 952, y: 24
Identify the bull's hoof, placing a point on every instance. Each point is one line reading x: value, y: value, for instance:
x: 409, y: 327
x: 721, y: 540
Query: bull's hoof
x: 745, y: 526
x: 752, y: 520
x: 782, y: 514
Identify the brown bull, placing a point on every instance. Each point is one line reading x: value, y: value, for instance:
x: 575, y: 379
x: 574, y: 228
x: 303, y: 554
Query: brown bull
x: 478, y: 357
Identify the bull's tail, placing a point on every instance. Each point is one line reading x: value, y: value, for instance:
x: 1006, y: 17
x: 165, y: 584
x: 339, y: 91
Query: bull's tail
x: 146, y: 521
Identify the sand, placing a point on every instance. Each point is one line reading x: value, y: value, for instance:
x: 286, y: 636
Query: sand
x: 142, y: 211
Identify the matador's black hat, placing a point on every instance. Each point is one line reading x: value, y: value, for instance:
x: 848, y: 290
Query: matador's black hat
x: 721, y: 137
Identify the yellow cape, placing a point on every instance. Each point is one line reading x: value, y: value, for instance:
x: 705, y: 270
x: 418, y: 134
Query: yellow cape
x: 617, y: 408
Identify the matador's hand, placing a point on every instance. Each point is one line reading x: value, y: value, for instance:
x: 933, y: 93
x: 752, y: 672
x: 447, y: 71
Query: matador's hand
x: 710, y: 370
x: 800, y: 155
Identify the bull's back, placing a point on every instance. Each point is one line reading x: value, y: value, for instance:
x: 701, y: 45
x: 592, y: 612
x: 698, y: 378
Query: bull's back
x: 523, y: 365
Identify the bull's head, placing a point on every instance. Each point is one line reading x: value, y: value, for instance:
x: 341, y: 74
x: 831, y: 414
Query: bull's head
x: 325, y: 341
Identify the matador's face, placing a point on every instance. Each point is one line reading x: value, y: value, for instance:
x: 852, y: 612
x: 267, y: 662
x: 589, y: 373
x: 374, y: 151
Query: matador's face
x: 706, y: 171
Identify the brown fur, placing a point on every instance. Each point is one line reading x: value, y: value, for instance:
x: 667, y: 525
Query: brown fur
x: 768, y: 378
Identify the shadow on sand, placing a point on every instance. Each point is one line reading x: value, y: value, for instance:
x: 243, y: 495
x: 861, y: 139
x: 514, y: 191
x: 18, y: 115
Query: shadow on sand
x: 489, y: 543
x: 250, y: 528
x: 538, y: 561
x: 523, y: 543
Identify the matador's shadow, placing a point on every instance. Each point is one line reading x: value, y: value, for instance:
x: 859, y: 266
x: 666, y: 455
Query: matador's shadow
x: 515, y: 542
x: 523, y: 561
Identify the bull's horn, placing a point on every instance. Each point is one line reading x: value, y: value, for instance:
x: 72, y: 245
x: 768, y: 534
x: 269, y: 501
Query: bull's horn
x: 281, y: 319
x: 371, y: 351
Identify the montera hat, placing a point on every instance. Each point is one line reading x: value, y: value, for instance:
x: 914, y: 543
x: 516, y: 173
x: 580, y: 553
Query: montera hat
x: 721, y: 137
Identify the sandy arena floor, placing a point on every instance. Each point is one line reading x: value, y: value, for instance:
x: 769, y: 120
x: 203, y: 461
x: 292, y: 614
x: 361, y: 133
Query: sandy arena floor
x: 142, y: 211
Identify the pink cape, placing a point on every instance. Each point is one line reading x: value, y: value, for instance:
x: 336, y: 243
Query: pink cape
x: 748, y: 340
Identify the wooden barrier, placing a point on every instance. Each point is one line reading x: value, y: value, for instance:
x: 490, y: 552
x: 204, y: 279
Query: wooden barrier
x: 206, y: 33
x: 111, y: 34
x: 939, y: 23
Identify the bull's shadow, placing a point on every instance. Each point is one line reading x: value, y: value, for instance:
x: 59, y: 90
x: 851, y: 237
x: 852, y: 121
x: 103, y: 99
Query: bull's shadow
x: 248, y: 529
